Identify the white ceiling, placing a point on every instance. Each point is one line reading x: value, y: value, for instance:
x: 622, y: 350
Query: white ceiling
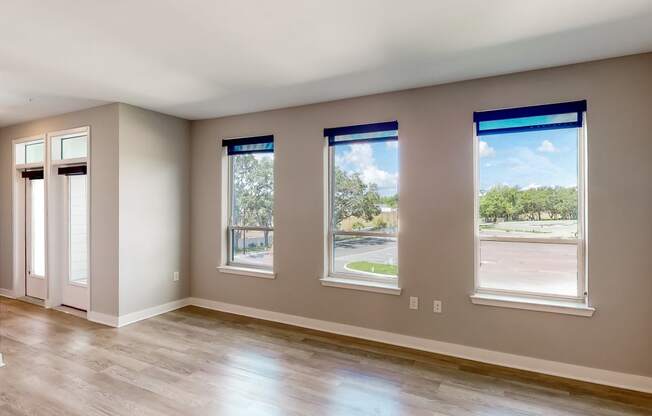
x: 206, y: 58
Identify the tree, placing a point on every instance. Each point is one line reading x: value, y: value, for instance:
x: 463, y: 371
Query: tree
x: 512, y: 203
x: 500, y: 202
x: 354, y: 198
x: 390, y: 201
x: 253, y: 191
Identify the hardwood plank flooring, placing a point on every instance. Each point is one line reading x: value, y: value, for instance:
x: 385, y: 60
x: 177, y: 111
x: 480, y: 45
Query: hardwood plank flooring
x: 199, y: 362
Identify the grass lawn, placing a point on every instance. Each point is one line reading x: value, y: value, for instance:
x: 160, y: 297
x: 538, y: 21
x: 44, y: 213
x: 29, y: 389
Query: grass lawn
x: 365, y: 266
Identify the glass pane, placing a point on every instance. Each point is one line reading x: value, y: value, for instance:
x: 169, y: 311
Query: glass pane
x: 34, y: 152
x: 529, y: 267
x: 365, y: 256
x: 528, y: 184
x: 529, y: 189
x: 252, y: 196
x: 37, y: 227
x: 78, y: 232
x: 73, y: 147
x: 366, y: 187
x: 252, y: 247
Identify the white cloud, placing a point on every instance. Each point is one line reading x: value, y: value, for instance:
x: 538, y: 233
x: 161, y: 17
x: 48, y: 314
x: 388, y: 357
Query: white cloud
x: 486, y: 150
x: 532, y: 186
x: 392, y: 144
x: 547, y: 147
x: 360, y: 154
x: 360, y: 159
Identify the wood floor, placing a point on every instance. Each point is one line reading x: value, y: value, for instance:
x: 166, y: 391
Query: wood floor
x: 199, y: 362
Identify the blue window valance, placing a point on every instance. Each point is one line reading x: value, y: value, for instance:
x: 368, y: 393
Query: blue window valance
x: 376, y: 132
x: 538, y: 117
x: 246, y: 145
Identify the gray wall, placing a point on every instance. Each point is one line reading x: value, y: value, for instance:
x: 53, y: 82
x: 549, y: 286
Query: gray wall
x: 154, y: 208
x: 436, y: 214
x: 104, y: 197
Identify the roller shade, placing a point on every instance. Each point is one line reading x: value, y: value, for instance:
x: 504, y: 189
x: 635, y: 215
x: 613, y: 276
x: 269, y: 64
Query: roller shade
x: 376, y: 132
x: 246, y: 145
x: 538, y: 117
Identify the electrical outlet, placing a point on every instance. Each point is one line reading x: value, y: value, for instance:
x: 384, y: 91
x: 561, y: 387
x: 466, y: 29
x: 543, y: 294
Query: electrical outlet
x: 175, y: 277
x: 414, y: 302
x: 436, y: 306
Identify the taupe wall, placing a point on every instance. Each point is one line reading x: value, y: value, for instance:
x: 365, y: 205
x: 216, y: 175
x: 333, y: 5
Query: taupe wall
x: 154, y: 208
x: 436, y: 214
x: 104, y: 197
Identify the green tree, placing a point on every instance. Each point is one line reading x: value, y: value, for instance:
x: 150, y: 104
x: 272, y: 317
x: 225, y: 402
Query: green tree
x: 512, y: 203
x: 253, y: 191
x: 390, y: 201
x: 354, y: 198
x: 500, y: 202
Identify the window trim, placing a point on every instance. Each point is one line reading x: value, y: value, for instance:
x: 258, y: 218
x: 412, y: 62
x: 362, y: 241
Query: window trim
x: 516, y: 298
x: 386, y: 284
x: 228, y: 264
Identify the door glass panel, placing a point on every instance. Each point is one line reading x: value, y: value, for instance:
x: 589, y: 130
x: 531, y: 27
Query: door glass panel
x: 37, y: 226
x: 78, y: 231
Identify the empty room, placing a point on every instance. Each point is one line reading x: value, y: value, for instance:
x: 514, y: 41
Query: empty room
x: 304, y: 207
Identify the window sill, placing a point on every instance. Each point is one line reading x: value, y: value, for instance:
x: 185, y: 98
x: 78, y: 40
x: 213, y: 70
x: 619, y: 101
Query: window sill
x: 385, y: 288
x: 243, y: 271
x: 541, y: 305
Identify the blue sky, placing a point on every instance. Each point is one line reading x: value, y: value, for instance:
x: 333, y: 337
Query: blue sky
x: 528, y: 160
x: 375, y: 162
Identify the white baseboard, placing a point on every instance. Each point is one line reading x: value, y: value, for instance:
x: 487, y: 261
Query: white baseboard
x: 554, y: 368
x: 102, y: 318
x: 7, y: 293
x: 151, y: 312
x: 130, y: 318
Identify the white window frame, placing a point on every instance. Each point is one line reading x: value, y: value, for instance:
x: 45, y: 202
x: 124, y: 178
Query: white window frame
x: 332, y: 233
x: 230, y: 227
x: 582, y: 294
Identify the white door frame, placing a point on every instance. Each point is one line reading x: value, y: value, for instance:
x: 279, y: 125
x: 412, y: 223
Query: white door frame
x: 56, y: 284
x: 18, y: 226
x: 53, y: 289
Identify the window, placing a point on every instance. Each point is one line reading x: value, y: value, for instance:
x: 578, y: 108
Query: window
x: 70, y: 145
x: 530, y: 201
x: 363, y: 202
x: 250, y: 231
x: 30, y: 152
x: 73, y: 147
